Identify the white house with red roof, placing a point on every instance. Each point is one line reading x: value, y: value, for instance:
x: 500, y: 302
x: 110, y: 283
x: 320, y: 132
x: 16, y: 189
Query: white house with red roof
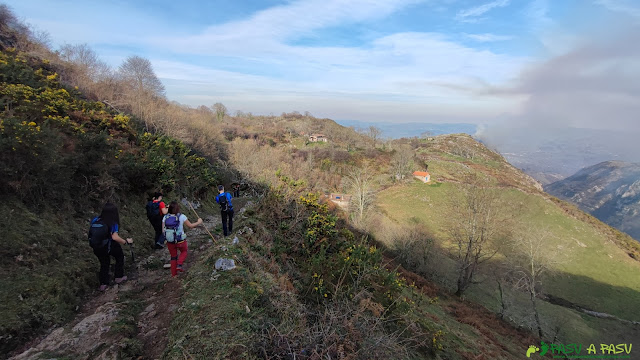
x: 422, y: 176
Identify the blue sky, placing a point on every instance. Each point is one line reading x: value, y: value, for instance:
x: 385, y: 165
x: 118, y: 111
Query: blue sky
x: 370, y: 60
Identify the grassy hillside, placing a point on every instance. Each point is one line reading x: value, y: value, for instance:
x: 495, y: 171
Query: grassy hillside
x: 62, y: 158
x: 302, y: 271
x: 339, y: 298
x: 587, y: 254
x: 594, y: 269
x: 309, y: 282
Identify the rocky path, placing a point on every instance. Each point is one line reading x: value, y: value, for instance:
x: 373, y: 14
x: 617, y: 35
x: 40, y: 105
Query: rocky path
x: 130, y: 320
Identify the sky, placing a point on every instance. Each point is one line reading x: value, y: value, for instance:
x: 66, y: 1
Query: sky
x: 554, y: 63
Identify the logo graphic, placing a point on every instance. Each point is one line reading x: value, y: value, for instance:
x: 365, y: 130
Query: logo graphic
x: 544, y: 347
x: 575, y: 351
x: 532, y: 350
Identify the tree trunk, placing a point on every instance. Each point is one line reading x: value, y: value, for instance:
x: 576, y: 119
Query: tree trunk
x: 536, y: 315
x: 503, y: 305
x: 463, y: 282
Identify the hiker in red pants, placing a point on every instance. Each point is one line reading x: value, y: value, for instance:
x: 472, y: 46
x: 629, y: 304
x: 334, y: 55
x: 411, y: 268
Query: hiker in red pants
x: 173, y: 230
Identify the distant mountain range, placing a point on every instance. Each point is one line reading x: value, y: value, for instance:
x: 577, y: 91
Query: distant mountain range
x: 551, y: 154
x: 400, y: 130
x: 610, y: 191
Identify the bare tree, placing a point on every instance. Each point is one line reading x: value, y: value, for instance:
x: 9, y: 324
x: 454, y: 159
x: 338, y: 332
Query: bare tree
x: 426, y: 134
x: 15, y: 33
x: 139, y: 72
x: 531, y: 260
x: 374, y: 133
x: 86, y: 67
x: 360, y: 183
x: 477, y: 218
x: 402, y: 162
x: 142, y: 85
x: 170, y: 118
x: 11, y: 28
x: 220, y: 110
x: 347, y: 135
x: 466, y: 152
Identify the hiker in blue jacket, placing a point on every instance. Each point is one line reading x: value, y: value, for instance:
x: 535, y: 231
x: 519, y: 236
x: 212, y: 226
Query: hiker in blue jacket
x: 226, y: 210
x: 156, y: 210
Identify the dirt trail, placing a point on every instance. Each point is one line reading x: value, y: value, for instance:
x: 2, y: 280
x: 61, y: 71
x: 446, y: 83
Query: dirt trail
x: 127, y: 319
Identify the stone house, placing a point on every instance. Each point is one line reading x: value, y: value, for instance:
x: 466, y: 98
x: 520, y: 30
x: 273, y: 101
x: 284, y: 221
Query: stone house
x: 318, y: 138
x: 341, y: 200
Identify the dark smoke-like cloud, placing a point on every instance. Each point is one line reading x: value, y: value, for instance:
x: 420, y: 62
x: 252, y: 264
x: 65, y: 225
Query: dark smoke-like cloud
x: 586, y: 100
x: 594, y: 86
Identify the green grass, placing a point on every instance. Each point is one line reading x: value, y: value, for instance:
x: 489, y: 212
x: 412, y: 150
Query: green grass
x: 591, y: 272
x: 49, y: 266
x: 213, y: 322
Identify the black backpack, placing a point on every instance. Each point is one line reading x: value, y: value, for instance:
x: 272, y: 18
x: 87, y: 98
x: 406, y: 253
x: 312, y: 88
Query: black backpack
x: 153, y: 209
x: 99, y: 235
x: 224, y: 202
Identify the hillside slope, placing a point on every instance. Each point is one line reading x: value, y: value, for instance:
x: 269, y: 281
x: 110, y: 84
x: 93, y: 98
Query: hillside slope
x: 62, y: 158
x: 304, y: 269
x: 596, y: 261
x: 310, y: 280
x: 610, y: 191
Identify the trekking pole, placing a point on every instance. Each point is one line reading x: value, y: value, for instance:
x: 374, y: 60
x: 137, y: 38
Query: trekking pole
x: 194, y: 211
x: 133, y: 257
x: 134, y: 272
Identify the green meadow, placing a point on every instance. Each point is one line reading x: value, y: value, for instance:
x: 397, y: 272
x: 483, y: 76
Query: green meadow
x: 590, y: 271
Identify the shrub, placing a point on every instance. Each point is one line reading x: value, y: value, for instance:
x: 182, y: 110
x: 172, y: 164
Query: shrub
x: 414, y: 247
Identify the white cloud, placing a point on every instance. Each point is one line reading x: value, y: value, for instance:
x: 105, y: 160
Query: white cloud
x: 283, y: 23
x: 621, y: 6
x: 88, y: 22
x: 409, y: 74
x: 474, y: 12
x: 409, y: 67
x: 538, y: 13
x: 556, y: 38
x: 384, y: 63
x: 592, y: 86
x: 488, y: 37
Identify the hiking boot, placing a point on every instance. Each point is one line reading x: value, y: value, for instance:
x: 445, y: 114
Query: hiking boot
x: 103, y: 287
x: 180, y: 269
x: 119, y: 280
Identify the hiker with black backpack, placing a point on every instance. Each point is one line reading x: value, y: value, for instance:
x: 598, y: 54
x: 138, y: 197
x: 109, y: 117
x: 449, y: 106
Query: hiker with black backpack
x: 156, y: 209
x: 105, y: 241
x: 173, y: 231
x: 226, y: 210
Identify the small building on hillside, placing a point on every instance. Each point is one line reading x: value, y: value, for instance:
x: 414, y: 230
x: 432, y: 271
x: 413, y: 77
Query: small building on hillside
x: 422, y: 176
x: 318, y: 138
x: 341, y: 200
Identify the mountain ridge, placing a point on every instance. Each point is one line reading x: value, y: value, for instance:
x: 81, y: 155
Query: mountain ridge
x: 609, y: 190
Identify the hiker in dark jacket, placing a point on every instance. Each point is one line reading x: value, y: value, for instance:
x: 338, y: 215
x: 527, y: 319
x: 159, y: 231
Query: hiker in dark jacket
x: 156, y: 209
x: 111, y: 219
x: 226, y: 210
x: 178, y: 240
